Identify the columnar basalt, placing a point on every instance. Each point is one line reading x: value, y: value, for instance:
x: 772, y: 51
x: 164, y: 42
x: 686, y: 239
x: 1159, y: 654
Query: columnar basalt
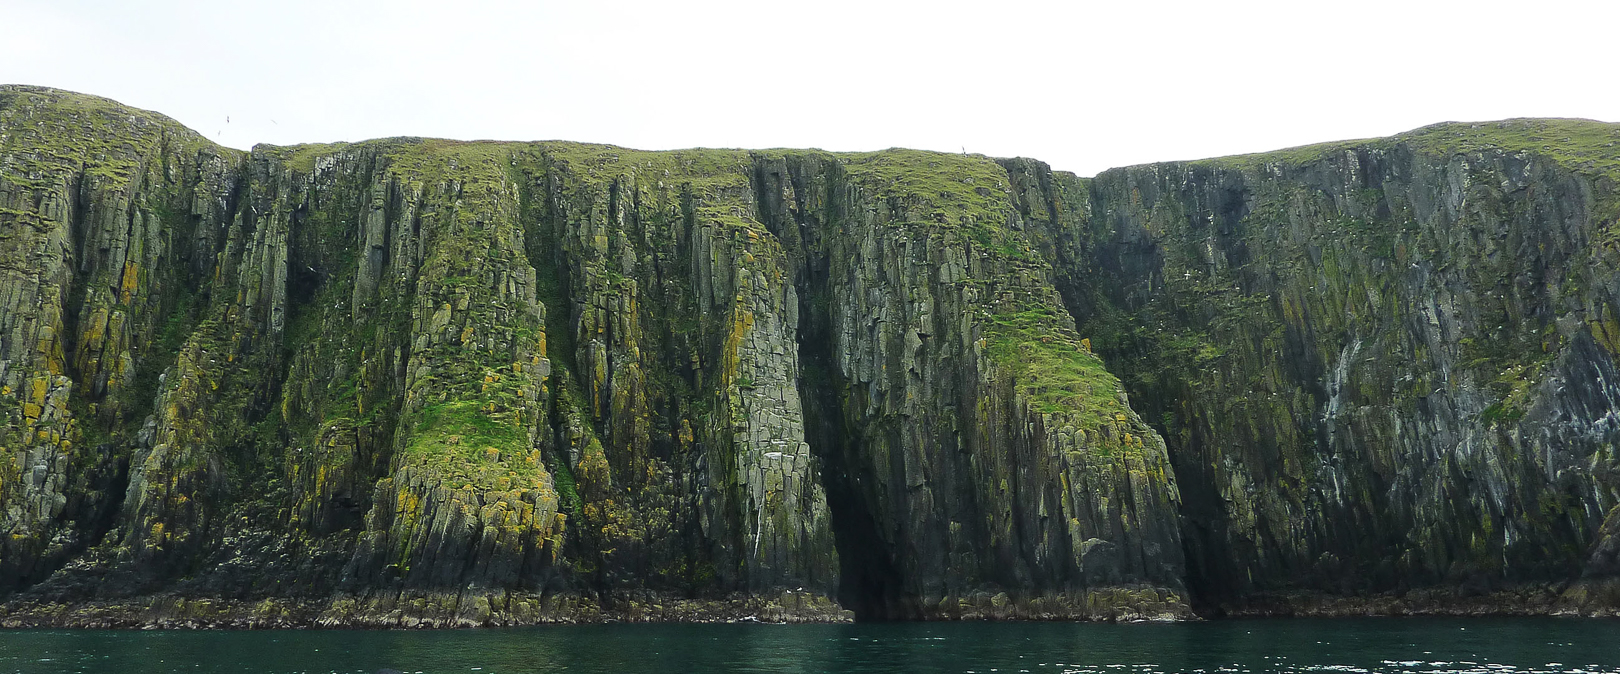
x: 422, y: 382
x: 1385, y: 369
x: 426, y: 382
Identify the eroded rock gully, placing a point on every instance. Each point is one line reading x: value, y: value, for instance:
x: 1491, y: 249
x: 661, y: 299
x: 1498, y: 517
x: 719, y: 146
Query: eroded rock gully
x: 422, y: 382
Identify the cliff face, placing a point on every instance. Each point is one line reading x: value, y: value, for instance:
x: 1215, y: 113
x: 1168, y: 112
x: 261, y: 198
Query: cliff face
x: 428, y: 382
x: 1385, y: 369
x: 424, y: 382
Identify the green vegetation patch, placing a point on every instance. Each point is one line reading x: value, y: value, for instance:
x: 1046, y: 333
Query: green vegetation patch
x: 1052, y: 369
x: 301, y: 158
x: 51, y: 134
x: 1587, y: 147
x: 963, y: 193
x: 1583, y: 146
x: 1286, y: 156
x: 468, y: 446
x: 702, y: 172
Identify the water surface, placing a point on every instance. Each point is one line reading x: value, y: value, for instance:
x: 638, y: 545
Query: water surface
x: 1396, y: 645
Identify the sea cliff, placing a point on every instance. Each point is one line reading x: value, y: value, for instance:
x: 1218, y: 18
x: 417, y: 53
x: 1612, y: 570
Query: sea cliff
x: 421, y: 382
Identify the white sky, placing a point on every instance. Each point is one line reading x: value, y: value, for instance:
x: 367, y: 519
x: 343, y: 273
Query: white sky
x: 1083, y: 85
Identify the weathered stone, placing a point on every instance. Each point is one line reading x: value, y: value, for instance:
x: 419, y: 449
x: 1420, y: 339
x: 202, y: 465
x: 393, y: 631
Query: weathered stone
x: 428, y: 383
x: 1381, y: 366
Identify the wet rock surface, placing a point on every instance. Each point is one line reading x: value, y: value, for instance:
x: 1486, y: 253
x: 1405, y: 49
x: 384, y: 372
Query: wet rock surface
x: 426, y: 383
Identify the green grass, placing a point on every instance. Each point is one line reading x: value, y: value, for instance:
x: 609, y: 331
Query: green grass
x: 467, y: 419
x: 965, y: 194
x: 1286, y: 156
x: 302, y: 158
x: 705, y: 173
x: 1050, y: 366
x: 65, y: 132
x: 1587, y: 147
x: 456, y: 438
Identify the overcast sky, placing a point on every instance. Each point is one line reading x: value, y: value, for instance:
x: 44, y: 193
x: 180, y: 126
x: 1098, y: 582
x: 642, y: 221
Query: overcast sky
x: 1082, y: 85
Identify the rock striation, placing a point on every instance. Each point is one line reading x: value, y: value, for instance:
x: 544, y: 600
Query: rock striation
x: 420, y: 382
x: 427, y: 382
x: 1385, y: 369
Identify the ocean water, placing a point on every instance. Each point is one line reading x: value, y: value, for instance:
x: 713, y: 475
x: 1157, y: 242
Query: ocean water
x: 1396, y: 645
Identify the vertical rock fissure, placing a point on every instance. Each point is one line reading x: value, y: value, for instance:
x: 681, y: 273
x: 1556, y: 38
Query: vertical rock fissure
x: 542, y: 225
x: 79, y: 273
x: 869, y: 581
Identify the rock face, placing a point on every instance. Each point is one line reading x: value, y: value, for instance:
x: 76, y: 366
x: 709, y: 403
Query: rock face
x: 431, y: 383
x: 427, y: 382
x: 1385, y: 369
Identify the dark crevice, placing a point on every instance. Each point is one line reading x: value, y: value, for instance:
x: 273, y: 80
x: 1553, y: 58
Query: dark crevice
x: 79, y: 281
x: 1078, y: 258
x: 541, y: 225
x: 871, y: 584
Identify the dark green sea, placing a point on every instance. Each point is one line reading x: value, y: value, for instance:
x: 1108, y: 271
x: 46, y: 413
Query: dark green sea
x: 1400, y: 645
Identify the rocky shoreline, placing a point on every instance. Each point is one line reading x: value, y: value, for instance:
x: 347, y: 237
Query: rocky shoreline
x: 443, y: 611
x: 413, y: 611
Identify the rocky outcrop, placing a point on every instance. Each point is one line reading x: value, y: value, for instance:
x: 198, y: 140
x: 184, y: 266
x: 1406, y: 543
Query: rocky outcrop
x: 1385, y: 369
x: 418, y: 382
x: 425, y: 382
x: 985, y: 462
x: 104, y: 216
